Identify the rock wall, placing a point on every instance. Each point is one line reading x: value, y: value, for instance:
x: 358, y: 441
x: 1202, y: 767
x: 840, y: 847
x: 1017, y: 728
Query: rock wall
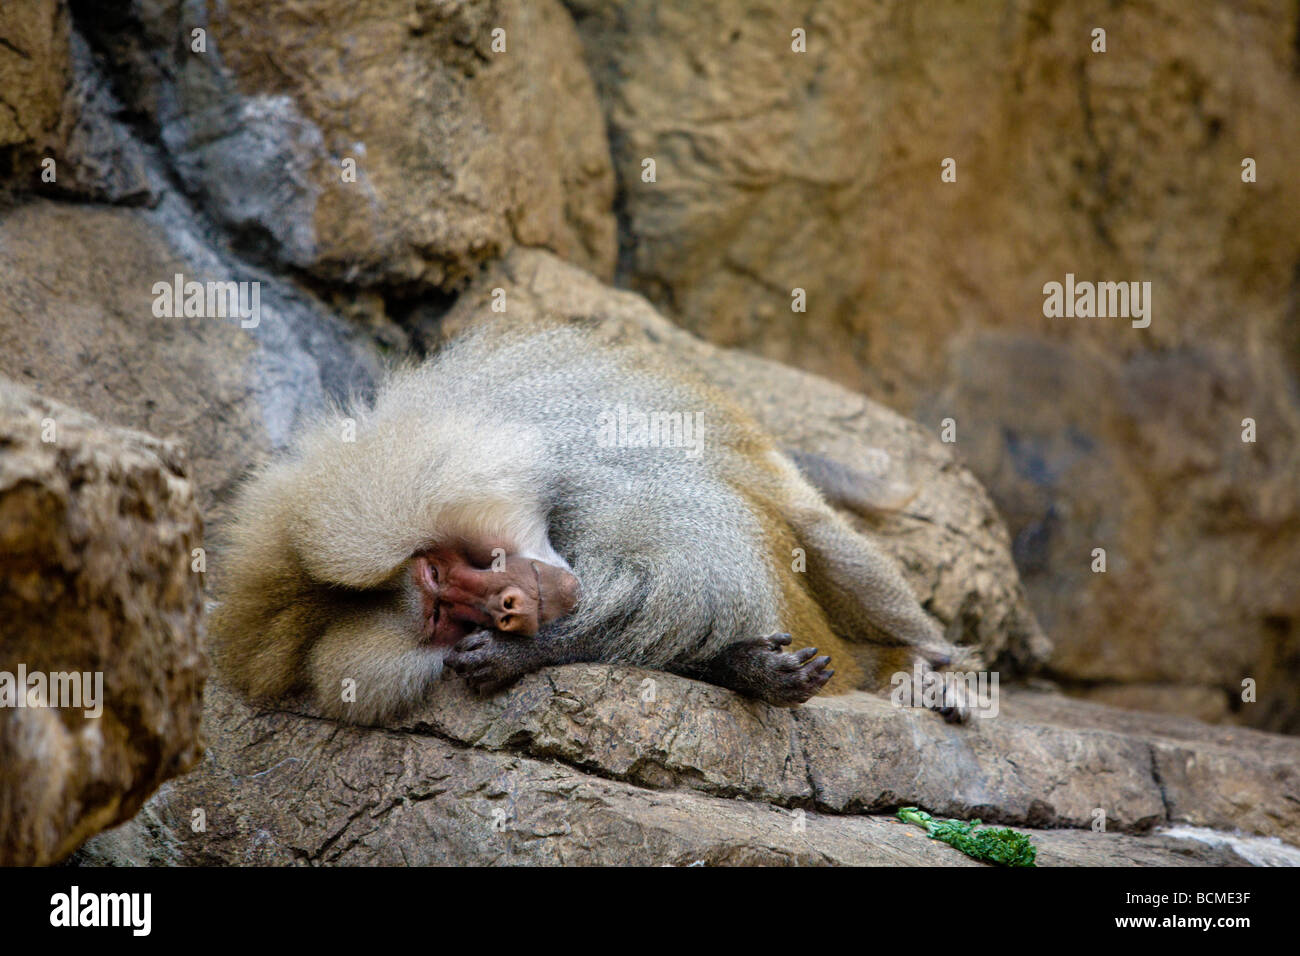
x: 381, y: 144
x: 78, y: 324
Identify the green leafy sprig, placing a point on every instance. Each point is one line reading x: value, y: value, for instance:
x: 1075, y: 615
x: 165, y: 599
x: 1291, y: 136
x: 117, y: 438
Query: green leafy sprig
x: 992, y: 845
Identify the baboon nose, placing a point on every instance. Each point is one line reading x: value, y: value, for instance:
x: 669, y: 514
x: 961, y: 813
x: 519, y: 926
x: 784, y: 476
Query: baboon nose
x: 516, y: 612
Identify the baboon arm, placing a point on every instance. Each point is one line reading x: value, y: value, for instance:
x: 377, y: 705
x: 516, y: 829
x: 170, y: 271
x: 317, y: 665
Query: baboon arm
x: 491, y: 660
x: 367, y: 666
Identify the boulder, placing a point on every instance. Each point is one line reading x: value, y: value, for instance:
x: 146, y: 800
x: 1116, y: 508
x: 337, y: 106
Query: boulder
x: 78, y: 323
x: 580, y: 765
x: 378, y: 144
x: 61, y: 130
x: 779, y: 170
x: 98, y: 534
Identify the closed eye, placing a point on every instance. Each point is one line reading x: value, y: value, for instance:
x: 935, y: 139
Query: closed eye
x: 479, y: 557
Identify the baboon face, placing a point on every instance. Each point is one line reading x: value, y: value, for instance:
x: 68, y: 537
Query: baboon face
x: 464, y: 587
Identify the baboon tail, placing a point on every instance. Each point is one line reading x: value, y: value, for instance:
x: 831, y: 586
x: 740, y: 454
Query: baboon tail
x: 865, y: 492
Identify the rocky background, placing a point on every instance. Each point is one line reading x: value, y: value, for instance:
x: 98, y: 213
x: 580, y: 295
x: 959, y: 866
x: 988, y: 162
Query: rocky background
x: 144, y: 138
x: 822, y: 172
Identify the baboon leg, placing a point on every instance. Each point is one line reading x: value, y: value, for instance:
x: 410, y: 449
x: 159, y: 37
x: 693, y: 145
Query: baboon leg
x: 367, y: 665
x: 862, y: 589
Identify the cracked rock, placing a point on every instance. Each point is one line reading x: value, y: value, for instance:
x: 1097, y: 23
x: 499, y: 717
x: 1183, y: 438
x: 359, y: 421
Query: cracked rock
x: 570, y: 766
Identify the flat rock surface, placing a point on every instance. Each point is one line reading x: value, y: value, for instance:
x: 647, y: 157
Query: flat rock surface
x: 614, y: 765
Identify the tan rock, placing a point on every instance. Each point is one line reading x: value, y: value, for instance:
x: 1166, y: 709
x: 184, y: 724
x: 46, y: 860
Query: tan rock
x: 1204, y: 703
x: 77, y: 324
x: 460, y: 150
x: 33, y: 72
x: 59, y: 131
x: 97, y: 530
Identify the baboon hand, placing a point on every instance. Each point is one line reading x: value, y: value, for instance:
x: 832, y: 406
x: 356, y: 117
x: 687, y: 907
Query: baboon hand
x: 490, y: 660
